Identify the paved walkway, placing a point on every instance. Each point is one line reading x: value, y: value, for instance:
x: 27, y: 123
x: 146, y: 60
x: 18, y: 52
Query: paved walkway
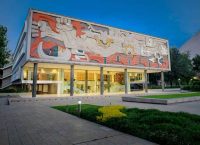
x: 189, y: 107
x: 37, y: 124
x: 135, y: 93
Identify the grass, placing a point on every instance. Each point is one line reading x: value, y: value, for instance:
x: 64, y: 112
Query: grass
x: 164, y: 128
x: 171, y: 96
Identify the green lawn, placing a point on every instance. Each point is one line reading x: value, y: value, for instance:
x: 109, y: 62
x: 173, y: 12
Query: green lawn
x: 171, y: 96
x: 165, y: 128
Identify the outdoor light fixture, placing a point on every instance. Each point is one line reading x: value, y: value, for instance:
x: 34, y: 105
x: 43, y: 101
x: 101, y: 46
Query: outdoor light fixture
x: 179, y: 81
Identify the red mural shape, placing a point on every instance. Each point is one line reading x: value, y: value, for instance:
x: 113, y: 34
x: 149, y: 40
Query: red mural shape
x: 49, y: 19
x: 52, y: 23
x: 95, y: 57
x: 78, y: 27
x: 34, y: 46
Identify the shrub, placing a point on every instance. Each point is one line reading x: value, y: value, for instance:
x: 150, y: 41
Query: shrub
x: 108, y: 112
x: 8, y: 90
x: 186, y: 87
x: 195, y: 85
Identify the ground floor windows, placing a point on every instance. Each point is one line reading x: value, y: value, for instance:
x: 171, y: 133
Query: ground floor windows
x: 86, y: 80
x: 45, y: 74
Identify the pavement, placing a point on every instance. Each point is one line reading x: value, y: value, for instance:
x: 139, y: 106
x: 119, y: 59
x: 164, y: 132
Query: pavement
x: 36, y: 123
x: 189, y: 107
x: 134, y: 93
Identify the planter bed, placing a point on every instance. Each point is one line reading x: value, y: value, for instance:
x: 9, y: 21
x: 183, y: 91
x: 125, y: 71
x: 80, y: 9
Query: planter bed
x: 165, y: 128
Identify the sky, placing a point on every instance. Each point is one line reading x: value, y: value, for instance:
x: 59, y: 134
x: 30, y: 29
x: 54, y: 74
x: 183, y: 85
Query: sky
x: 175, y: 20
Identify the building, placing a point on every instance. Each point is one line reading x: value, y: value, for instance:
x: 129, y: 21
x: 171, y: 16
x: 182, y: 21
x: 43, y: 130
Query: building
x: 5, y: 76
x: 192, y: 46
x: 61, y: 55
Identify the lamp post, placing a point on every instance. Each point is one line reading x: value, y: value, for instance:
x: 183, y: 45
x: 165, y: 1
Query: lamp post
x: 79, y: 107
x: 179, y: 82
x: 191, y: 80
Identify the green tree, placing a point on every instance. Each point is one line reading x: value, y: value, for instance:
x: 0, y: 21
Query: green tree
x: 196, y: 63
x: 154, y: 77
x: 4, y: 52
x: 181, y: 67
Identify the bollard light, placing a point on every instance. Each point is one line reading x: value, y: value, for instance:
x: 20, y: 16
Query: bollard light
x: 79, y: 107
x: 179, y: 81
x: 79, y: 102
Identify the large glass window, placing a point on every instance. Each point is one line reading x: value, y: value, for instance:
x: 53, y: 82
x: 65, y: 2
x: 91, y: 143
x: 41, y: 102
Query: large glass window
x: 79, y: 82
x: 135, y: 76
x: 48, y: 74
x: 66, y: 82
x: 114, y: 82
x: 47, y: 79
x: 93, y: 81
x: 136, y: 81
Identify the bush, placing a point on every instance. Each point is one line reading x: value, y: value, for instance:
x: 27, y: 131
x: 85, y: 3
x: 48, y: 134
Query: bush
x: 186, y: 87
x: 195, y: 88
x: 194, y: 85
x: 164, y: 128
x: 8, y: 90
x: 108, y: 112
x: 13, y: 89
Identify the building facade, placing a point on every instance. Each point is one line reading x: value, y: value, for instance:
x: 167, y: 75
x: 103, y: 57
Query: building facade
x: 61, y: 55
x: 192, y: 46
x: 5, y: 76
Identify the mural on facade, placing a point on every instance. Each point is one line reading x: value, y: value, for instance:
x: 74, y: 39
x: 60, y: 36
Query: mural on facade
x: 61, y: 38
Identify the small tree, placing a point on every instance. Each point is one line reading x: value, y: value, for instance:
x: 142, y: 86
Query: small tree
x: 181, y: 67
x: 196, y: 63
x: 4, y: 52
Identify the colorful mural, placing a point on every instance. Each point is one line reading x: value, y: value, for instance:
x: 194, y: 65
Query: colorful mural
x: 61, y: 38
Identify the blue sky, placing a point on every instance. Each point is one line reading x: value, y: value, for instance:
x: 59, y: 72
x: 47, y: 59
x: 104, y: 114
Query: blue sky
x: 175, y: 20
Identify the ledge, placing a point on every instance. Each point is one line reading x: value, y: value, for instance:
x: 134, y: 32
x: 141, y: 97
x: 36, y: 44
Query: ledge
x: 160, y: 101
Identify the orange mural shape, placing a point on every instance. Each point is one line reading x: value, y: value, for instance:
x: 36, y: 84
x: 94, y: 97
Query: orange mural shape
x: 78, y: 27
x: 49, y: 19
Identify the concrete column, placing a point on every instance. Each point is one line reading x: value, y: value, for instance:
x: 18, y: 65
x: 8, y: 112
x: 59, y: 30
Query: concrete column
x: 101, y: 81
x: 86, y: 81
x: 145, y: 81
x: 108, y: 81
x: 126, y: 80
x: 34, y: 86
x: 62, y: 75
x: 58, y: 88
x: 129, y: 86
x: 162, y: 81
x: 71, y: 80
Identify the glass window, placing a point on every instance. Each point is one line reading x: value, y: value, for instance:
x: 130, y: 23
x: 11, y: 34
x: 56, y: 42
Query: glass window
x: 48, y: 74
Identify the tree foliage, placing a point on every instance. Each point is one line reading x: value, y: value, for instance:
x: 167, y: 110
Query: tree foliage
x: 4, y: 52
x: 196, y: 63
x: 181, y: 67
